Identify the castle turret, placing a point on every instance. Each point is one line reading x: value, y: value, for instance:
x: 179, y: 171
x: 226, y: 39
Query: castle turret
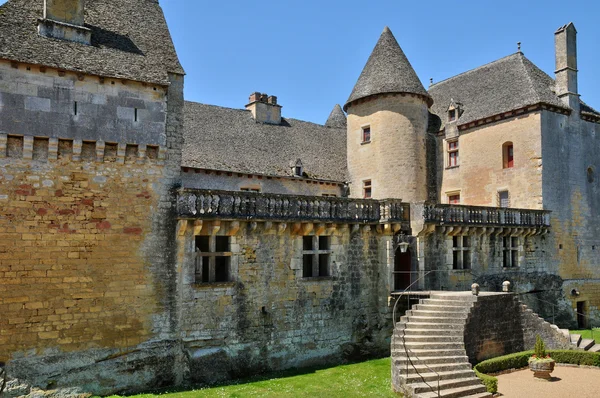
x: 387, y: 124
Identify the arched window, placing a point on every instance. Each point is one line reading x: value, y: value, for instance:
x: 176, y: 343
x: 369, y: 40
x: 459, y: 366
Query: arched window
x: 507, y: 155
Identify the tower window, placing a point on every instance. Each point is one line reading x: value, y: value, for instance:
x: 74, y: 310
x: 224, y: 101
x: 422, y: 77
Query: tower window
x: 367, y: 189
x: 453, y: 153
x: 75, y: 108
x: 366, y: 134
x: 507, y: 155
x: 135, y: 114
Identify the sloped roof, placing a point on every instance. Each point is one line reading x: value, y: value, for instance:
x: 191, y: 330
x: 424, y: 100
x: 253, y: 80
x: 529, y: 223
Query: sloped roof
x: 387, y: 71
x: 130, y: 40
x: 337, y: 118
x: 507, y: 84
x: 228, y: 139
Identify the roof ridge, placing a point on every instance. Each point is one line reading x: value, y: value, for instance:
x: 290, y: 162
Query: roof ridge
x: 473, y: 70
x: 536, y: 95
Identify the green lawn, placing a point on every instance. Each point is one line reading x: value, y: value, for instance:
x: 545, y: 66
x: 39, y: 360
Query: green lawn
x: 587, y: 334
x: 365, y: 379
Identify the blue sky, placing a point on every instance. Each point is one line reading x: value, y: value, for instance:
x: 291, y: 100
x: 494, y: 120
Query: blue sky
x: 310, y: 53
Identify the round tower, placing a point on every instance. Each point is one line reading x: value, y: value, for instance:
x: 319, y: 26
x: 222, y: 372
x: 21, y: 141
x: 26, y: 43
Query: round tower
x: 387, y: 127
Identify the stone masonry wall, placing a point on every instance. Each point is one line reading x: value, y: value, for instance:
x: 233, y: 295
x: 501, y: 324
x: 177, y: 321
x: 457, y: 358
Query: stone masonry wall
x: 87, y: 248
x: 269, y: 317
x: 572, y: 191
x: 480, y: 174
x: 395, y: 159
x: 499, y: 325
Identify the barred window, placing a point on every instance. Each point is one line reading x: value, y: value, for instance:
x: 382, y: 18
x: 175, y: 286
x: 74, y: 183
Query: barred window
x: 213, y: 259
x: 316, y: 255
x: 461, y: 252
x: 510, y: 246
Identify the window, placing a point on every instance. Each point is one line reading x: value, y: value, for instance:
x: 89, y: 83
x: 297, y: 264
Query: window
x: 367, y: 190
x: 510, y: 245
x: 503, y: 199
x: 452, y: 153
x: 507, y: 155
x: 213, y: 259
x: 454, y: 199
x: 329, y: 195
x: 135, y: 114
x: 590, y: 174
x: 451, y: 115
x: 366, y: 134
x: 297, y: 169
x: 316, y: 253
x: 75, y: 108
x: 461, y: 252
x: 249, y: 189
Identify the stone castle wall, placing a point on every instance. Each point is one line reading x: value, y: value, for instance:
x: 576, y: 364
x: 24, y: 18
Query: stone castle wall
x: 480, y: 174
x: 269, y: 316
x: 395, y: 158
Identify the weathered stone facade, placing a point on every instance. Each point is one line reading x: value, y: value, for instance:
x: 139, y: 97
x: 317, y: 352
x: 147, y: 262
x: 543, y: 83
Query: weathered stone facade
x: 131, y: 256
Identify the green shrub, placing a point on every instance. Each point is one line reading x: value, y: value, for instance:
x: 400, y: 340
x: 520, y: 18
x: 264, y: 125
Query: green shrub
x: 520, y: 360
x: 539, y: 350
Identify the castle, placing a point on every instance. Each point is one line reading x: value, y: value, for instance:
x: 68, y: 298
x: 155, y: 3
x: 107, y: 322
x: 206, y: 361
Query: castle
x: 147, y: 241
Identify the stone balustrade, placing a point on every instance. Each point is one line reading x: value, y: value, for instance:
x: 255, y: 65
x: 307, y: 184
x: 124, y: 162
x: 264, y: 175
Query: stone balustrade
x: 205, y: 204
x: 485, y: 216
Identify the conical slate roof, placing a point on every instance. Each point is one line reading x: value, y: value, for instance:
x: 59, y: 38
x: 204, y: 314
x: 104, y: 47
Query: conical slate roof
x: 387, y: 71
x: 337, y: 118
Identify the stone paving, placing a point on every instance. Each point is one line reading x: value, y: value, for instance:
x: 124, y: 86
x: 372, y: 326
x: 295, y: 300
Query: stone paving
x: 566, y: 382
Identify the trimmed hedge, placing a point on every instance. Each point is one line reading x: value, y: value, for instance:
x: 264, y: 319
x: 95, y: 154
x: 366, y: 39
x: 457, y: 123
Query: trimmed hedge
x: 520, y: 360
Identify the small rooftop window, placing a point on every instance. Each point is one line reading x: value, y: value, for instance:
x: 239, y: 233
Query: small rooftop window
x: 297, y: 168
x: 452, y: 115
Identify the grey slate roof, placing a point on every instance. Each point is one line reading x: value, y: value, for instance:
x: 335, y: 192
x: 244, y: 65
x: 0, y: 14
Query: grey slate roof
x: 387, y: 71
x: 507, y: 84
x: 130, y: 40
x: 337, y: 118
x: 228, y: 139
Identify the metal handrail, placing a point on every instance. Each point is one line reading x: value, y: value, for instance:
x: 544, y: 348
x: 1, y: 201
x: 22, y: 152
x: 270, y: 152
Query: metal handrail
x: 406, y: 349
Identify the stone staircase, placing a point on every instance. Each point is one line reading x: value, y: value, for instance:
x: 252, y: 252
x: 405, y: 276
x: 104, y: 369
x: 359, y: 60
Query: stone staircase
x: 584, y: 344
x: 428, y: 350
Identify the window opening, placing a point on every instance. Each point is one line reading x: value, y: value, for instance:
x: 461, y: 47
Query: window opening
x: 213, y: 259
x: 452, y: 115
x: 507, y: 155
x: 75, y: 108
x: 367, y: 189
x: 503, y: 199
x: 454, y: 199
x: 461, y: 252
x: 452, y: 153
x: 249, y: 189
x: 366, y: 134
x: 316, y: 255
x: 510, y: 246
x: 135, y: 114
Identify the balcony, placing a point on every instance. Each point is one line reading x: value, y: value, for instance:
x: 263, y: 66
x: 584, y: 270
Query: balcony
x: 485, y: 216
x: 206, y: 204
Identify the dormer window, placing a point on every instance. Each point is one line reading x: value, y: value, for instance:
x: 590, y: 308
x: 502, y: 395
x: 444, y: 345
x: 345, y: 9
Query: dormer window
x: 297, y: 168
x: 452, y: 115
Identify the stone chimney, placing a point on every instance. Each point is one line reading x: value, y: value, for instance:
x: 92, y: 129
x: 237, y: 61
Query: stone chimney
x: 565, y: 43
x: 264, y: 108
x: 64, y: 20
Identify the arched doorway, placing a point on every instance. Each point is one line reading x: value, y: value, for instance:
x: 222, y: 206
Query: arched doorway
x: 402, y: 269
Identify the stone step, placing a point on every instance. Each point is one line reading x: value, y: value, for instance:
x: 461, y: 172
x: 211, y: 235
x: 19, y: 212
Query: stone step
x: 463, y: 298
x: 586, y: 344
x: 432, y: 319
x: 473, y: 391
x: 444, y: 308
x: 446, y: 384
x: 440, y: 367
x: 565, y: 332
x: 431, y: 338
x: 447, y: 303
x: 595, y: 348
x: 429, y: 345
x: 438, y: 314
x: 422, y: 353
x: 576, y: 339
x: 416, y: 331
x: 434, y: 325
x: 443, y: 375
x: 401, y: 359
